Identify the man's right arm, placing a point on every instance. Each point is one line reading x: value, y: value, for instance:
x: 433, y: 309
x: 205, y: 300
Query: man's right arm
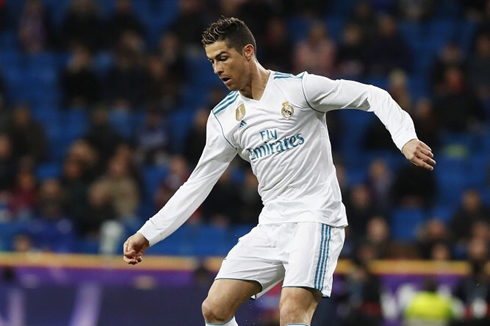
x: 216, y: 157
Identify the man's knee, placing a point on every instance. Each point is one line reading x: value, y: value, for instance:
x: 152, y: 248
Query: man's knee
x: 213, y: 312
x: 292, y: 313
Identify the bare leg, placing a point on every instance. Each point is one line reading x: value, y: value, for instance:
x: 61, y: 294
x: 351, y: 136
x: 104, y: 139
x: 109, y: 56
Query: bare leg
x: 297, y: 305
x: 225, y: 297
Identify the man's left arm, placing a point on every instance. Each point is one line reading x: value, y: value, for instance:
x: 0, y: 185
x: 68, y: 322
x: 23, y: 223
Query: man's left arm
x: 324, y: 94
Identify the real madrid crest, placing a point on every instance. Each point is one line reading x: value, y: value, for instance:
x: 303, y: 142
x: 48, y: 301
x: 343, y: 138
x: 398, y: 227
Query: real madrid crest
x: 287, y: 110
x: 240, y: 112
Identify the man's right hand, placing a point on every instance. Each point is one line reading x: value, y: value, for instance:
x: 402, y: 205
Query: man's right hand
x: 134, y: 248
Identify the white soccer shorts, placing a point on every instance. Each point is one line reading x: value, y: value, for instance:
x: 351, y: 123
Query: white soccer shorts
x: 302, y: 254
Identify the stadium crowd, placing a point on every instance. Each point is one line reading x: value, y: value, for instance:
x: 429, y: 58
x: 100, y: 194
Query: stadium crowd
x: 103, y: 106
x: 132, y: 85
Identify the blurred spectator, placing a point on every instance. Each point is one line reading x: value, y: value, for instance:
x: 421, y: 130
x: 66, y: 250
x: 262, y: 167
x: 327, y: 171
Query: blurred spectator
x: 3, y: 14
x: 23, y: 243
x: 433, y: 234
x: 388, y: 50
x: 178, y: 174
x: 24, y: 195
x: 380, y: 182
x: 250, y: 199
x: 189, y: 24
x: 305, y: 8
x: 477, y: 251
x: 5, y: 210
x: 196, y: 137
x: 2, y: 99
x: 98, y: 210
x: 479, y: 67
x: 29, y: 140
x: 80, y: 83
x: 102, y: 135
x: 414, y: 187
x: 351, y: 61
x: 54, y: 230
x: 121, y: 188
x: 441, y: 252
x: 134, y: 44
x: 220, y: 207
x: 83, y: 26
x: 74, y: 188
x: 360, y: 208
x: 170, y: 52
x: 317, y: 53
x: 365, y: 17
x: 8, y: 164
x: 50, y: 198
x: 122, y: 20
x: 127, y: 152
x: 125, y: 79
x: 86, y: 155
x: 429, y: 307
x: 398, y: 89
x: 470, y: 211
x: 425, y: 121
x: 152, y: 139
x: 474, y: 291
x: 361, y: 297
x: 35, y: 30
x: 226, y: 8
x: 376, y: 243
x: 256, y: 13
x: 161, y: 90
x: 276, y: 48
x: 415, y: 10
x: 202, y: 276
x: 377, y: 137
x: 474, y: 9
x: 450, y: 56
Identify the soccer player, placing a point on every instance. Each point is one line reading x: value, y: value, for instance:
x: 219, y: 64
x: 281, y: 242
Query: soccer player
x: 275, y: 121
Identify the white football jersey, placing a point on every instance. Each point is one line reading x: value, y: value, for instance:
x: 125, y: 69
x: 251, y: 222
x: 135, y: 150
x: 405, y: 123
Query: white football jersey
x: 284, y: 136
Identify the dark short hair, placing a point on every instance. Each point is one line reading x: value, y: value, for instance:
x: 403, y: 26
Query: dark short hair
x: 233, y: 31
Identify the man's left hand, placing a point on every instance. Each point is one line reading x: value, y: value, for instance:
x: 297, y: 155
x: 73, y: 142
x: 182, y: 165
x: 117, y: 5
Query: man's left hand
x: 418, y: 153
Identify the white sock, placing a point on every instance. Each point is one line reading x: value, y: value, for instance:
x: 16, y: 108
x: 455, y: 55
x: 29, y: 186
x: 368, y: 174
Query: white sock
x: 231, y: 322
x: 297, y: 325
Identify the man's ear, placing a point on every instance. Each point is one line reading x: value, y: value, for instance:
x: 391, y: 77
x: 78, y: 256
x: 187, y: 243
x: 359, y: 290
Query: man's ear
x: 248, y: 51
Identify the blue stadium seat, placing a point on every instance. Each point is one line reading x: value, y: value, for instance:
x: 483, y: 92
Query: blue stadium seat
x: 180, y: 123
x: 121, y: 120
x: 405, y: 223
x: 9, y: 58
x: 335, y: 27
x: 443, y: 212
x: 356, y: 176
x: 412, y: 32
x: 153, y: 177
x: 448, y: 9
x: 8, y: 40
x: 442, y: 30
x: 48, y: 170
x: 452, y: 179
x: 418, y: 85
x: 103, y: 61
x: 298, y: 28
x: 201, y: 72
x: 466, y: 34
x: 42, y: 61
x: 75, y: 125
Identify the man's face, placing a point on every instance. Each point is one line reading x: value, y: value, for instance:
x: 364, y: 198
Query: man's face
x: 228, y: 64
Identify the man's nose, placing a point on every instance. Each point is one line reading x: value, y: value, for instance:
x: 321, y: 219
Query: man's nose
x: 217, y: 68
